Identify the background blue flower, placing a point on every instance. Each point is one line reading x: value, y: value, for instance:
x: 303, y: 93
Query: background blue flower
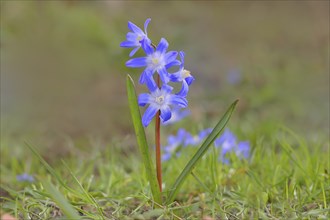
x: 174, y: 142
x: 227, y: 143
x: 194, y: 140
x: 25, y: 178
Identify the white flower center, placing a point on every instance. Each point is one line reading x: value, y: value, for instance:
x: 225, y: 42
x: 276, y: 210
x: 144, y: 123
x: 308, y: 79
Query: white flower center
x: 156, y: 60
x: 160, y: 99
x: 139, y: 38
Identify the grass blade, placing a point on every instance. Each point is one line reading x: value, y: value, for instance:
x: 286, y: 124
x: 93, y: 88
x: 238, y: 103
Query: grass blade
x: 88, y: 197
x: 142, y: 141
x: 61, y: 201
x: 199, y: 154
x: 48, y: 167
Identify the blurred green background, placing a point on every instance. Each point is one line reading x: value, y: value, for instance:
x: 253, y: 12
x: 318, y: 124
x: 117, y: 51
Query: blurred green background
x: 63, y: 72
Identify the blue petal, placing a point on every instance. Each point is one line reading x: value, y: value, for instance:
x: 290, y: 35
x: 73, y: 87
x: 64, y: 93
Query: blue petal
x: 189, y: 80
x: 164, y: 76
x: 173, y: 63
x: 151, y: 84
x: 134, y: 51
x: 217, y: 142
x: 135, y: 28
x: 142, y: 78
x: 170, y: 56
x: 144, y: 99
x: 146, y: 25
x: 148, y: 115
x: 137, y: 62
x: 243, y: 149
x: 166, y: 156
x: 179, y: 100
x: 182, y: 133
x: 175, y: 77
x: 162, y: 46
x: 189, y: 139
x: 145, y: 74
x: 182, y: 59
x: 130, y: 36
x: 182, y: 54
x: 168, y: 89
x: 128, y: 44
x: 165, y: 113
x: 226, y: 137
x: 146, y: 46
x: 184, y: 90
x: 171, y: 140
x: 202, y: 134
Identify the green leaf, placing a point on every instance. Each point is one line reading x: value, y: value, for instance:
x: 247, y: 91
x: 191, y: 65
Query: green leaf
x: 142, y: 141
x: 48, y: 167
x: 199, y: 154
x: 61, y: 201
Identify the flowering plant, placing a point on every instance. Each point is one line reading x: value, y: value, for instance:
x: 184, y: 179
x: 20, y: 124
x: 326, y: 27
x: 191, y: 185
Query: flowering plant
x: 162, y: 102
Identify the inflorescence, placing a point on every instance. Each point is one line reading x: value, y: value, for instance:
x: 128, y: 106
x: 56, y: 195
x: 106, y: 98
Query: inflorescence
x: 157, y: 60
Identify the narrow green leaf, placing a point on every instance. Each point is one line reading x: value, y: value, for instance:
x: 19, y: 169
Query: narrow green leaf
x: 48, y: 167
x: 61, y: 201
x: 199, y: 154
x: 142, y: 141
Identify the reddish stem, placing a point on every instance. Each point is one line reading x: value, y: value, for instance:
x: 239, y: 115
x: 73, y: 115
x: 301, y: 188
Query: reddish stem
x: 158, y: 151
x: 157, y: 140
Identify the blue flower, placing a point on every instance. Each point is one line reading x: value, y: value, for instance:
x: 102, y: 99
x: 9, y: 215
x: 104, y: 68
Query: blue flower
x: 197, y: 139
x: 234, y: 77
x: 25, y: 178
x: 135, y: 37
x: 157, y: 60
x: 243, y: 149
x: 159, y: 99
x: 177, y: 115
x: 183, y: 76
x: 173, y: 144
x: 228, y: 143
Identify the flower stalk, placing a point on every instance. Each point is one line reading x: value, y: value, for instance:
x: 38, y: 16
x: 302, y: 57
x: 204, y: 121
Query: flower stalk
x: 158, y: 151
x: 157, y: 140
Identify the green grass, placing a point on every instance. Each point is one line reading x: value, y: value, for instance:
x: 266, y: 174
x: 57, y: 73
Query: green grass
x: 284, y: 179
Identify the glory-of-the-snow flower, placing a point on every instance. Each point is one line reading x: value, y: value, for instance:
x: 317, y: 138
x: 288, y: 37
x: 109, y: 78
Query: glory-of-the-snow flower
x: 194, y: 140
x: 182, y: 139
x: 183, y: 76
x: 227, y: 142
x: 134, y: 38
x: 157, y: 60
x: 159, y: 99
x: 174, y: 142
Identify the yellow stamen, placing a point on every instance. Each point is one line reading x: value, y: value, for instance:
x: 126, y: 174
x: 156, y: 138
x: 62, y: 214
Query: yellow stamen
x: 186, y: 73
x: 155, y: 60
